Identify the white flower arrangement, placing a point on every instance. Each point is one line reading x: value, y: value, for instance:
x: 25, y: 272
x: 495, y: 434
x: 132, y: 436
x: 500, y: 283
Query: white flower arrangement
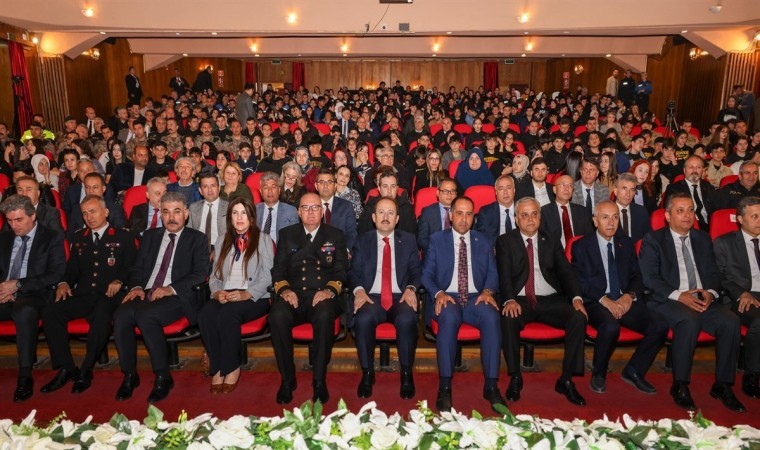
x: 306, y: 428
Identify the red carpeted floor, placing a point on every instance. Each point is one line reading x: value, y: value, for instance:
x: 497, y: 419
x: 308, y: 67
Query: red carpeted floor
x: 256, y: 392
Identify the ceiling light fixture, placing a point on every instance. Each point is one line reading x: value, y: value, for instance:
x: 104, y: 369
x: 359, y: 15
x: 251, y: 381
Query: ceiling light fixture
x: 344, y: 48
x: 448, y: 32
x: 608, y: 55
x: 88, y: 12
x: 344, y: 55
x: 102, y: 32
x: 523, y: 18
x: 184, y: 54
x: 436, y: 47
x: 757, y: 36
x: 257, y: 55
x: 292, y: 17
x: 178, y: 33
x: 434, y: 55
x: 254, y: 48
x: 715, y: 9
x: 529, y: 46
x: 214, y: 33
x: 523, y: 55
x: 684, y: 31
x: 35, y: 40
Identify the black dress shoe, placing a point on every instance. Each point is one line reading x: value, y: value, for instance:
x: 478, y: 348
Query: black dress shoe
x: 130, y: 382
x: 443, y: 402
x: 365, y: 385
x: 61, y: 378
x: 494, y: 397
x: 24, y: 389
x: 320, y: 392
x: 750, y: 385
x: 407, y: 385
x: 514, y: 388
x: 82, y: 382
x: 637, y: 381
x: 161, y: 388
x: 725, y: 394
x: 567, y: 388
x: 598, y: 384
x: 682, y: 396
x: 285, y: 392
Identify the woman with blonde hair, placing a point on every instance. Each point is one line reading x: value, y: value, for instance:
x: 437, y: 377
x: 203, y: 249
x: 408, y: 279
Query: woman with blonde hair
x: 291, y: 188
x: 233, y: 183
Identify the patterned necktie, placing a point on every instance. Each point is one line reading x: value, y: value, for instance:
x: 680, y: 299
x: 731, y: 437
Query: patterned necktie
x: 567, y: 227
x: 18, y: 261
x: 446, y: 219
x: 625, y: 222
x: 530, y: 285
x: 462, y: 278
x: 328, y: 214
x: 154, y: 220
x: 697, y: 201
x: 507, y: 222
x: 691, y: 275
x: 386, y: 286
x: 268, y: 223
x: 612, y: 279
x: 165, y: 261
x: 208, y: 226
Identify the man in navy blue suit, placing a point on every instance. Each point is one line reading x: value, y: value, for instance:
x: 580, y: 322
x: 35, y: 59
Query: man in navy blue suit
x: 563, y: 219
x: 498, y: 217
x: 613, y: 295
x: 436, y: 217
x: 634, y: 218
x: 385, y: 276
x: 678, y: 265
x: 337, y: 212
x: 460, y: 274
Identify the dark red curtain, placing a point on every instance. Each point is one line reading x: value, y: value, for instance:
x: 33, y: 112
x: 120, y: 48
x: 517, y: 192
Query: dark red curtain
x: 299, y: 75
x: 250, y: 72
x: 21, y: 89
x: 490, y: 75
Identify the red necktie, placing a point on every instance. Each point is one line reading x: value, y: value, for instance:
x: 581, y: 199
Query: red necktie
x: 462, y: 282
x: 567, y: 229
x: 386, y: 287
x: 154, y: 220
x: 447, y: 222
x: 530, y: 285
x: 327, y: 213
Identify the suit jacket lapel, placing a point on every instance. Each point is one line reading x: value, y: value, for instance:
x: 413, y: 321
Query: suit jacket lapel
x: 400, y: 263
x: 5, y: 262
x: 740, y: 250
x: 670, y: 255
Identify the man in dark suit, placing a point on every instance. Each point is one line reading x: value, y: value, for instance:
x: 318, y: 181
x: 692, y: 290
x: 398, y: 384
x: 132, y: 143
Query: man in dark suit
x: 148, y: 215
x: 135, y: 173
x: 101, y: 255
x: 178, y: 83
x: 345, y: 123
x: 337, y: 212
x: 679, y: 268
x: 390, y: 297
x: 32, y: 260
x: 388, y: 187
x: 310, y: 269
x: 157, y: 297
x: 738, y: 257
x: 134, y: 89
x: 700, y: 191
x: 747, y: 185
x: 203, y: 81
x: 588, y: 191
x: 95, y: 184
x: 436, y: 217
x: 535, y: 186
x: 634, y: 218
x: 613, y: 295
x: 75, y: 193
x: 539, y: 295
x: 460, y: 275
x: 272, y: 215
x: 498, y: 217
x: 563, y: 219
x: 47, y: 216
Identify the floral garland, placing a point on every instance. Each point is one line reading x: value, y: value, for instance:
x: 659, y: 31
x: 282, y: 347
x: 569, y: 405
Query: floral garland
x: 306, y: 428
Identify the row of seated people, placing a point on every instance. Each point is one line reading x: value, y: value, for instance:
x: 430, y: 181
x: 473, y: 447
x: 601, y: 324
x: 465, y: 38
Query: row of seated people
x: 498, y: 292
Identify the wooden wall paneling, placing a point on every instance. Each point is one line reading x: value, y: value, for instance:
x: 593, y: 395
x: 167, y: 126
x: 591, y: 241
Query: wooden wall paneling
x: 6, y: 86
x: 373, y: 72
x: 538, y: 80
x: 666, y: 73
x: 700, y: 91
x: 282, y: 73
x: 52, y: 88
x: 87, y: 84
x: 156, y: 82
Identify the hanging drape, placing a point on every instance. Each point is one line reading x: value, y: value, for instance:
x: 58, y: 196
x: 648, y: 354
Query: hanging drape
x: 21, y: 88
x: 490, y: 75
x: 250, y: 72
x: 299, y: 75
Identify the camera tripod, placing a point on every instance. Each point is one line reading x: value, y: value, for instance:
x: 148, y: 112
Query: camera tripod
x: 671, y: 124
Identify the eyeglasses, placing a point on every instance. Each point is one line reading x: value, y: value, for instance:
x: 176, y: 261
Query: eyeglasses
x: 434, y: 158
x: 447, y: 191
x: 311, y: 208
x: 325, y: 182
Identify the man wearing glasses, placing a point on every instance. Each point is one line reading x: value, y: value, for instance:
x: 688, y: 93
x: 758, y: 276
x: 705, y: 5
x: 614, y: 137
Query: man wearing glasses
x: 336, y: 211
x: 310, y: 269
x: 498, y: 217
x: 385, y: 158
x: 437, y: 216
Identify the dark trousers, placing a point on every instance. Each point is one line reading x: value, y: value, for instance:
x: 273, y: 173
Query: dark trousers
x: 150, y: 318
x: 751, y: 320
x: 717, y: 321
x: 284, y: 317
x: 25, y: 313
x: 555, y: 311
x: 370, y: 315
x: 483, y: 317
x: 639, y: 319
x: 220, y: 330
x: 97, y: 309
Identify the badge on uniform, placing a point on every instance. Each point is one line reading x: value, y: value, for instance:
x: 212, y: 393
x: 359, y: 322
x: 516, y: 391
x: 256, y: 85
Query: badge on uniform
x: 111, y: 258
x: 328, y: 248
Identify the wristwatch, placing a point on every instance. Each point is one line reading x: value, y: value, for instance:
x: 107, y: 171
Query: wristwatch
x: 632, y: 294
x: 18, y: 285
x: 412, y: 288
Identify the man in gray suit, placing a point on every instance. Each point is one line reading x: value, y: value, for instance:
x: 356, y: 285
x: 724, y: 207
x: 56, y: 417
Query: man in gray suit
x: 214, y: 225
x: 271, y: 214
x: 587, y: 191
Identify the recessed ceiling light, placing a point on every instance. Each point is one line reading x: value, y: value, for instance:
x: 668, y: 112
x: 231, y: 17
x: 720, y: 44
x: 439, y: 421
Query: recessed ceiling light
x: 523, y: 18
x: 299, y: 54
x: 178, y: 33
x: 436, y: 47
x: 523, y: 55
x: 292, y: 17
x: 88, y: 12
x: 433, y: 55
x: 257, y: 55
x: 254, y: 48
x: 527, y: 32
x: 184, y: 54
x: 528, y: 46
x: 563, y: 54
x: 448, y: 32
x: 35, y: 40
x: 608, y: 55
x: 345, y: 54
x: 344, y: 48
x: 565, y: 32
x: 684, y: 31
x: 102, y: 32
x: 214, y: 33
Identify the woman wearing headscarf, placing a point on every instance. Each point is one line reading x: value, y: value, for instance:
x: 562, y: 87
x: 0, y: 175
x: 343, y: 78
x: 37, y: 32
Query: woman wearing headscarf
x: 473, y: 171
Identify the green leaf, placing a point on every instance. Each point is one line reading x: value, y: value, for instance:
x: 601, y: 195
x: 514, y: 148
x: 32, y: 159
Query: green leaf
x: 476, y: 415
x: 342, y: 404
x: 155, y: 416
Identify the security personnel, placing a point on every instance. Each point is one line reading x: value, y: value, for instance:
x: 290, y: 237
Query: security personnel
x: 310, y: 269
x: 101, y: 256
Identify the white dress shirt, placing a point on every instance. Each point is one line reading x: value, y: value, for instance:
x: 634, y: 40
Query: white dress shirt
x: 503, y: 217
x: 541, y: 194
x: 160, y: 257
x: 137, y: 181
x: 214, y: 218
x: 454, y: 285
x: 100, y: 232
x: 312, y: 233
x: 626, y: 213
x: 602, y: 241
x: 754, y: 270
x: 591, y: 192
x: 273, y: 229
x: 377, y: 284
x: 683, y: 280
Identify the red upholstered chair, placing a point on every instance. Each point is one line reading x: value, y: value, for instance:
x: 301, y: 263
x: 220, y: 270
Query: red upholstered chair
x: 136, y: 195
x: 678, y: 178
x: 275, y: 126
x: 537, y: 333
x: 172, y: 176
x: 463, y: 129
x: 580, y: 129
x: 520, y: 148
x: 435, y: 129
x: 553, y: 176
x: 481, y: 196
x: 657, y: 220
x: 638, y: 246
x: 412, y: 146
x: 627, y: 336
x: 488, y: 128
x: 553, y: 128
x: 662, y: 131
x: 375, y: 192
x: 515, y: 127
x: 4, y: 182
x: 635, y: 131
x: 453, y: 166
x: 385, y: 128
x: 64, y: 221
x: 569, y: 248
x: 254, y: 331
x: 293, y: 127
x: 425, y: 197
x: 322, y: 128
x: 57, y: 198
x: 723, y: 221
x: 253, y: 181
x: 695, y: 132
x: 728, y: 179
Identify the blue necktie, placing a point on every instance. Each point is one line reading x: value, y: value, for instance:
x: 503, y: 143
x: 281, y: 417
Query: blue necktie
x: 614, y: 281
